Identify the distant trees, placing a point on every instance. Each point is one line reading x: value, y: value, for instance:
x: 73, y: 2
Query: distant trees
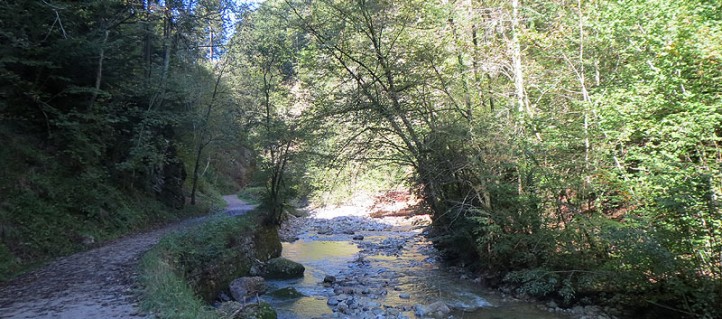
x: 571, y: 147
x: 104, y: 102
x: 558, y: 142
x: 268, y: 86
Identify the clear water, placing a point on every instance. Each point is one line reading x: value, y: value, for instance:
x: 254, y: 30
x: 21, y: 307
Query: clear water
x: 415, y: 272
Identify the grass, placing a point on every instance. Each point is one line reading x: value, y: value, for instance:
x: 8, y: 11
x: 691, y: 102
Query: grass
x: 188, y: 268
x: 50, y: 209
x: 252, y: 195
x: 34, y: 230
x: 167, y: 294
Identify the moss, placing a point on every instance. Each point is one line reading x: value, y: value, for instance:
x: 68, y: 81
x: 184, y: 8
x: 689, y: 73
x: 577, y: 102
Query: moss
x: 287, y: 293
x: 202, y: 261
x: 282, y: 268
x: 258, y: 311
x: 253, y: 195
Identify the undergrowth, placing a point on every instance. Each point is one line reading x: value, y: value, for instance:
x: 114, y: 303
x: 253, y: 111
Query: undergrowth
x: 252, y: 195
x: 189, y: 267
x: 51, y: 207
x: 166, y: 293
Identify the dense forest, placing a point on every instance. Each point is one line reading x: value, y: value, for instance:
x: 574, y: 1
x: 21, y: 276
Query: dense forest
x: 570, y: 148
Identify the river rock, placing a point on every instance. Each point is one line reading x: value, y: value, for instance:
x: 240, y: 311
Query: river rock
x: 328, y: 279
x: 552, y: 305
x: 287, y: 293
x: 435, y: 310
x: 260, y: 310
x: 325, y: 231
x: 237, y: 310
x: 358, y: 237
x: 282, y: 268
x: 229, y: 309
x: 247, y: 287
x: 342, y: 307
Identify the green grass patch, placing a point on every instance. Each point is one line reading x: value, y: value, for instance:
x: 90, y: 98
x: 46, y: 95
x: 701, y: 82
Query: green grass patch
x: 35, y: 229
x: 50, y: 208
x: 167, y: 294
x: 188, y: 268
x: 252, y: 195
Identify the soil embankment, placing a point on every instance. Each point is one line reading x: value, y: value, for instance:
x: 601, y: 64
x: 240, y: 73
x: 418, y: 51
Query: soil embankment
x: 99, y: 283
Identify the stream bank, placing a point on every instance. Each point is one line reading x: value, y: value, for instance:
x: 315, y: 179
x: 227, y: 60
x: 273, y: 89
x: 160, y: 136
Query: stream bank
x: 362, y: 267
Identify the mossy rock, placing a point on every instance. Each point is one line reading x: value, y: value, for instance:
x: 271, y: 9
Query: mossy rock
x: 287, y: 293
x: 236, y: 310
x: 244, y: 287
x: 229, y: 309
x: 282, y: 268
x: 257, y: 311
x: 227, y: 251
x: 267, y: 243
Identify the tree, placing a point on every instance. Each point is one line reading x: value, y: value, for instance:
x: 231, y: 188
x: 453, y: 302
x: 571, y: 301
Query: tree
x: 268, y: 85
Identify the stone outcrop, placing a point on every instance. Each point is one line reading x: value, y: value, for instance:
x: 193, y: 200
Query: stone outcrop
x: 282, y: 268
x: 245, y: 288
x: 242, y: 251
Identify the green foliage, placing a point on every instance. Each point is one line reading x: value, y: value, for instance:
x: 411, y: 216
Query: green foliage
x: 166, y: 293
x: 266, y: 75
x: 49, y: 210
x: 573, y: 146
x: 96, y: 114
x: 252, y: 195
x: 586, y: 164
x: 189, y: 267
x: 338, y: 185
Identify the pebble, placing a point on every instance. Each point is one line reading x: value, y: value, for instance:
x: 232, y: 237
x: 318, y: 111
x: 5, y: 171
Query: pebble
x: 360, y: 291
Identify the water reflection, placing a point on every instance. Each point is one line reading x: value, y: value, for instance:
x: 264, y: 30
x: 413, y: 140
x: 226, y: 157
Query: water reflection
x: 320, y: 258
x: 417, y: 277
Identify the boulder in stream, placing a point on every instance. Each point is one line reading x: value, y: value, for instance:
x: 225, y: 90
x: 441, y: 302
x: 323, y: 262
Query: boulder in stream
x: 287, y: 293
x: 282, y: 268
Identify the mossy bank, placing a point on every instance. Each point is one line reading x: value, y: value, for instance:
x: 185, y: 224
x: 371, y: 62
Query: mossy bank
x: 187, y: 269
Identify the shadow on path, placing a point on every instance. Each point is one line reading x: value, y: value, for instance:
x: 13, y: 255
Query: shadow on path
x: 99, y: 283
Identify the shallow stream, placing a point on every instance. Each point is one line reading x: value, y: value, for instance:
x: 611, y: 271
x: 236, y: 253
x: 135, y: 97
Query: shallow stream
x: 390, y: 273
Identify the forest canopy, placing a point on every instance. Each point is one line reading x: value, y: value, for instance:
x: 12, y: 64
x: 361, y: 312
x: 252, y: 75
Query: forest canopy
x: 571, y: 148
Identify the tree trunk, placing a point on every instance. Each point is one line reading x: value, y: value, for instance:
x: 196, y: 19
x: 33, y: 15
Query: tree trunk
x: 516, y: 60
x: 199, y: 152
x: 99, y: 74
x: 204, y: 139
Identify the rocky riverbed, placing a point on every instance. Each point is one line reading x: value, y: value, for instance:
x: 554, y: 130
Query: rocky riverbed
x: 362, y: 267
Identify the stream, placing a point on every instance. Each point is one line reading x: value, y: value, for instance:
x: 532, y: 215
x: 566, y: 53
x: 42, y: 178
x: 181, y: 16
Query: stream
x: 357, y: 267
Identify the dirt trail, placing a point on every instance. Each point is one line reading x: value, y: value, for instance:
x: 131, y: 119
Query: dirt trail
x: 99, y: 283
x: 237, y: 206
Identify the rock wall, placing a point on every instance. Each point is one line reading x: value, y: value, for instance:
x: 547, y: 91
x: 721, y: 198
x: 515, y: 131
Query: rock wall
x: 209, y: 272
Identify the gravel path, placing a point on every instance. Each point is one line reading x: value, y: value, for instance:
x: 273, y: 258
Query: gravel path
x: 236, y: 206
x: 99, y: 283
